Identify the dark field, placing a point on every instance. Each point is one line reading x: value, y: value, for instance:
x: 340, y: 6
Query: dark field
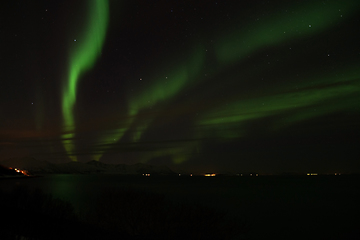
x: 264, y: 207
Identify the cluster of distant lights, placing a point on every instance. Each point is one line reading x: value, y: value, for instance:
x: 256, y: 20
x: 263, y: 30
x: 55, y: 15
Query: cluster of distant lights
x: 251, y: 174
x: 24, y: 172
x: 315, y: 174
x: 210, y: 175
x: 239, y: 174
x: 312, y: 174
x: 207, y: 174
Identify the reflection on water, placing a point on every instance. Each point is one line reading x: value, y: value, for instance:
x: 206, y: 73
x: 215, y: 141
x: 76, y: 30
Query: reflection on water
x: 264, y: 202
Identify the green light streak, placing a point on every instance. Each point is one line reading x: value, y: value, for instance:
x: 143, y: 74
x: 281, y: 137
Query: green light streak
x: 322, y: 98
x: 161, y: 90
x: 139, y: 131
x: 108, y: 139
x: 294, y: 23
x: 68, y: 145
x: 164, y: 89
x: 178, y: 154
x: 308, y: 20
x: 82, y: 58
x: 179, y: 78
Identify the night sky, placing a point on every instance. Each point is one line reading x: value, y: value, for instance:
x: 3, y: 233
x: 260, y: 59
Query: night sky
x: 197, y: 85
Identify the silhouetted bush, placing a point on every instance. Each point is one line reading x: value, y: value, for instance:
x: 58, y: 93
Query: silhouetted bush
x: 31, y: 214
x: 126, y: 214
x: 144, y: 215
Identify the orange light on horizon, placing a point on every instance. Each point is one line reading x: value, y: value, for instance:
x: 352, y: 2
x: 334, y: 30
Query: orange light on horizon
x: 210, y: 175
x: 24, y: 172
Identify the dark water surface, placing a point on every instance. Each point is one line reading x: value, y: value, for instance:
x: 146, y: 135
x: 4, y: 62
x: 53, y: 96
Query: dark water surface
x: 311, y: 207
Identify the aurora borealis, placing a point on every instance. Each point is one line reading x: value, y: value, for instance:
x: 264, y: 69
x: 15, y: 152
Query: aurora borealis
x: 82, y: 59
x: 265, y: 86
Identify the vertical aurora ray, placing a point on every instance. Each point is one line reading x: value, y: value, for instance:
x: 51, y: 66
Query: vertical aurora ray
x: 82, y: 58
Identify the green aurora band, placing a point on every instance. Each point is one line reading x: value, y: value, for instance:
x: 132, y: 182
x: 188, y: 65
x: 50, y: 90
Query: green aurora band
x: 179, y: 77
x: 309, y: 102
x: 312, y: 19
x: 228, y: 121
x: 82, y: 58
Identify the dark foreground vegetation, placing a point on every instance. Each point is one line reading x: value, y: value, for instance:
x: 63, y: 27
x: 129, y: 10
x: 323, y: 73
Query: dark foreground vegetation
x: 122, y: 214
